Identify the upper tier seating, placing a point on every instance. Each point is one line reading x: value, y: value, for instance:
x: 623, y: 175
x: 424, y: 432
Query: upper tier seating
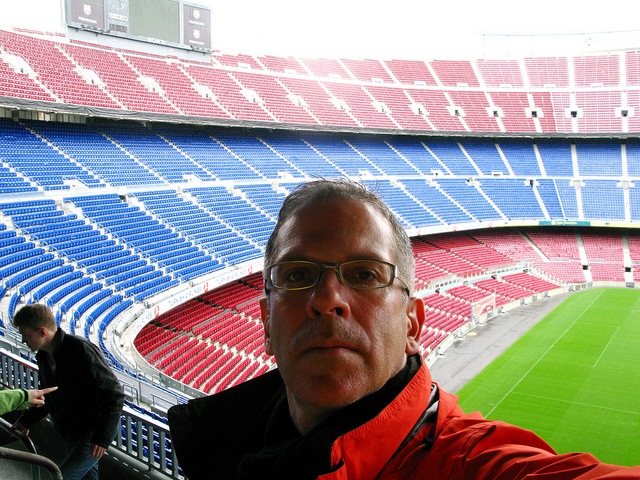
x: 175, y: 86
x: 500, y: 73
x: 453, y: 73
x: 120, y: 79
x: 411, y: 72
x: 583, y: 94
x: 511, y: 105
x: 323, y: 106
x: 227, y: 93
x: 276, y: 98
x: 475, y: 110
x: 601, y: 70
x: 361, y: 105
x: 326, y: 67
x: 398, y: 103
x: 549, y: 71
x: 55, y: 71
x: 281, y: 65
x: 367, y: 70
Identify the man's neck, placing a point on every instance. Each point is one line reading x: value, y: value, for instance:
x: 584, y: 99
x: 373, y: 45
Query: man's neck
x: 50, y: 342
x: 312, y: 416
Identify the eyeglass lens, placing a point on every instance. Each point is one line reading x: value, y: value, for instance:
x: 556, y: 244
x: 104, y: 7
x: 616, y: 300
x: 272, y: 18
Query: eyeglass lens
x: 357, y: 273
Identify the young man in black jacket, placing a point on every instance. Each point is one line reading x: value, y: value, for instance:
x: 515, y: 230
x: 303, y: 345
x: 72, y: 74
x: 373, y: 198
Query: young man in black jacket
x: 88, y: 402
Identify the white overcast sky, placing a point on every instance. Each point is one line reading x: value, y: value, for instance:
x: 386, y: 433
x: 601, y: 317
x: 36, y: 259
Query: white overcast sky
x: 406, y: 29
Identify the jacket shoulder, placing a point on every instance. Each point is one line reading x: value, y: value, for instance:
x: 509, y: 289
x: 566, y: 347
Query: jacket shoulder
x: 218, y: 429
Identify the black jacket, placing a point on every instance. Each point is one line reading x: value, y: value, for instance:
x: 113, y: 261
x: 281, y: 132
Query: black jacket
x: 89, y: 396
x: 210, y: 440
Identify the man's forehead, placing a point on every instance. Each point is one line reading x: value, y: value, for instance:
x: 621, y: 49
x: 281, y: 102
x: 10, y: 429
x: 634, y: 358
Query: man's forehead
x: 341, y: 226
x: 337, y: 212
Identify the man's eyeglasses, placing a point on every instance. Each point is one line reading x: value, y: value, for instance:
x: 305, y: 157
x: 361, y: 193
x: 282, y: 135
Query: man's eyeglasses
x: 364, y: 274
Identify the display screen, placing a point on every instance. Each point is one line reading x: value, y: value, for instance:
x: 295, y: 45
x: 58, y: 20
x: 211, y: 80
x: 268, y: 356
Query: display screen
x: 169, y: 22
x: 118, y: 15
x: 87, y: 13
x: 155, y: 19
x: 197, y: 26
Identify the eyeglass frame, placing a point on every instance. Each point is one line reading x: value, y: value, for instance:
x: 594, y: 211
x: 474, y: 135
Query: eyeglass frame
x: 335, y: 266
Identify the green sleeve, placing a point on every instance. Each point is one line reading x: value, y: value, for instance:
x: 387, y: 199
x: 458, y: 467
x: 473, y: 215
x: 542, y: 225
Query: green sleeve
x: 13, y: 400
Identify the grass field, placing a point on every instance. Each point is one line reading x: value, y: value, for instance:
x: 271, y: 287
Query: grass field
x: 574, y: 378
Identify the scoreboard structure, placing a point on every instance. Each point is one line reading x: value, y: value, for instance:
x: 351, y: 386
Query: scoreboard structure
x: 167, y: 22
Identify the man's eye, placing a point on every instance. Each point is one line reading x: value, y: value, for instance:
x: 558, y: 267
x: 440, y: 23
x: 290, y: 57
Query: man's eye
x: 297, y: 275
x: 365, y: 274
x: 361, y: 275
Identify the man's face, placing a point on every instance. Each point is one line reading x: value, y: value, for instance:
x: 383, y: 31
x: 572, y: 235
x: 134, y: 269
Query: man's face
x: 335, y: 344
x: 34, y: 339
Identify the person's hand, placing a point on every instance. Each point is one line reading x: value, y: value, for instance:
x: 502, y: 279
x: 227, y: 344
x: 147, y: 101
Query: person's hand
x: 96, y: 451
x: 21, y: 428
x: 36, y: 397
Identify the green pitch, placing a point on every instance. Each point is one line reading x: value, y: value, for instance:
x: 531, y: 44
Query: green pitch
x: 574, y: 378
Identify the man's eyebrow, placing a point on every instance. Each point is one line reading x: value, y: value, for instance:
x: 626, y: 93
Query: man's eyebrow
x: 350, y: 258
x: 295, y: 258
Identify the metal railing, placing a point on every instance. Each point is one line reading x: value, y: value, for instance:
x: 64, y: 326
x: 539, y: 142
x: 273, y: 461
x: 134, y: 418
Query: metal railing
x: 29, y: 455
x: 34, y: 460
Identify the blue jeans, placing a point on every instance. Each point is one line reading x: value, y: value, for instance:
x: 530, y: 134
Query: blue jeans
x: 78, y: 464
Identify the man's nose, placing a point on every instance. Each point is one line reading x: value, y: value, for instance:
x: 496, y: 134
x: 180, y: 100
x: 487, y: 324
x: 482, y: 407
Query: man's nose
x: 328, y: 296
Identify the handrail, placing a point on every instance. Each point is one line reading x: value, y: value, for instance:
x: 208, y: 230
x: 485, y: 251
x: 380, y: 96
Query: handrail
x: 25, y: 439
x: 32, y: 458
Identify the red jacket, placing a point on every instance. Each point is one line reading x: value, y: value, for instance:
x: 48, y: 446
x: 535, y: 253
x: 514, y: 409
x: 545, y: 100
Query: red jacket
x: 395, y: 444
x: 465, y: 447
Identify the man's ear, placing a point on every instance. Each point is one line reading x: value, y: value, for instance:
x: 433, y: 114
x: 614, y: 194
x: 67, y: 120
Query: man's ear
x: 415, y: 322
x: 264, y: 316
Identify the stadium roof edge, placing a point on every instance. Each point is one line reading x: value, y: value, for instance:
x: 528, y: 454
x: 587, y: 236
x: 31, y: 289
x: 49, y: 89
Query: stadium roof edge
x: 20, y: 104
